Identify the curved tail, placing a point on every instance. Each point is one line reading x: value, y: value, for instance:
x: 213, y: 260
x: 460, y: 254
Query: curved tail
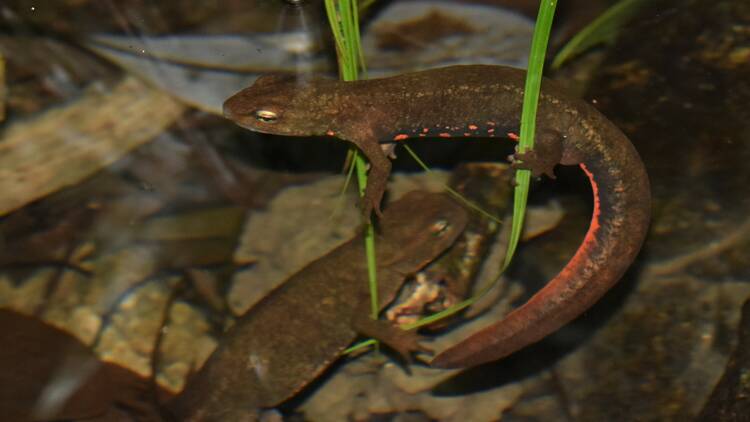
x: 618, y: 226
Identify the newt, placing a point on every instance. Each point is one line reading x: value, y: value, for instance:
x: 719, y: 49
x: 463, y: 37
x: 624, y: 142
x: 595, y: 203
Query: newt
x: 478, y: 101
x: 282, y: 343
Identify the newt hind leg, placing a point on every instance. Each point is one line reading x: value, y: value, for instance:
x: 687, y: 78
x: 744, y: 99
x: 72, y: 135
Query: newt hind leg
x: 401, y: 341
x: 547, y: 153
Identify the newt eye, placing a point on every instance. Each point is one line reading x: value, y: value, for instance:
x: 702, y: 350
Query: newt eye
x: 266, y: 116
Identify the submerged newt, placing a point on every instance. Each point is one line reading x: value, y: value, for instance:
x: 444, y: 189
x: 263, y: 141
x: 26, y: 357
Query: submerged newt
x: 478, y: 101
x: 288, y: 338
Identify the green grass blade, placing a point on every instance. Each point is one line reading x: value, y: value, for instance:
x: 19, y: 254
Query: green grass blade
x: 539, y: 43
x: 350, y: 158
x: 360, y: 345
x: 343, y: 17
x: 451, y: 191
x: 601, y: 30
x: 526, y: 142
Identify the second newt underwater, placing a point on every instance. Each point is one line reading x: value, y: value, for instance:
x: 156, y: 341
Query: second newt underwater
x: 299, y: 329
x: 478, y: 101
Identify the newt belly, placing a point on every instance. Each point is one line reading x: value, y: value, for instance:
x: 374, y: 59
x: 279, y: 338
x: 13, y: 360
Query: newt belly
x: 293, y: 334
x: 478, y: 101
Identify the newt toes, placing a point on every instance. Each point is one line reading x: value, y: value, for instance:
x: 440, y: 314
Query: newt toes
x: 293, y: 334
x: 403, y: 342
x: 479, y: 101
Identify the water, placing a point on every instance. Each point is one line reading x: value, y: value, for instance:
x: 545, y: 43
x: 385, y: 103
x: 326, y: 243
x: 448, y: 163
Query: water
x: 132, y: 215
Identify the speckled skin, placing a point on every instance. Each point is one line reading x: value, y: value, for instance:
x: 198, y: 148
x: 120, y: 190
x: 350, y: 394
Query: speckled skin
x: 479, y: 101
x: 293, y: 334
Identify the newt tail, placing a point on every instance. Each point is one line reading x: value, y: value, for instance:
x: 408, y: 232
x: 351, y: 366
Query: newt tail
x: 478, y: 101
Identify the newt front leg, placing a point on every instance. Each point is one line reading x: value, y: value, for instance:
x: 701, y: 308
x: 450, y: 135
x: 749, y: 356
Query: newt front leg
x: 356, y: 126
x: 377, y: 177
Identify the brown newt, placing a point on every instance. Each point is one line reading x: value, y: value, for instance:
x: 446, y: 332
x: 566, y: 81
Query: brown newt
x: 478, y: 101
x: 288, y: 338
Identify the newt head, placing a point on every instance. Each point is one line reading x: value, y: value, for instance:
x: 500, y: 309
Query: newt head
x: 283, y: 105
x: 441, y: 220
